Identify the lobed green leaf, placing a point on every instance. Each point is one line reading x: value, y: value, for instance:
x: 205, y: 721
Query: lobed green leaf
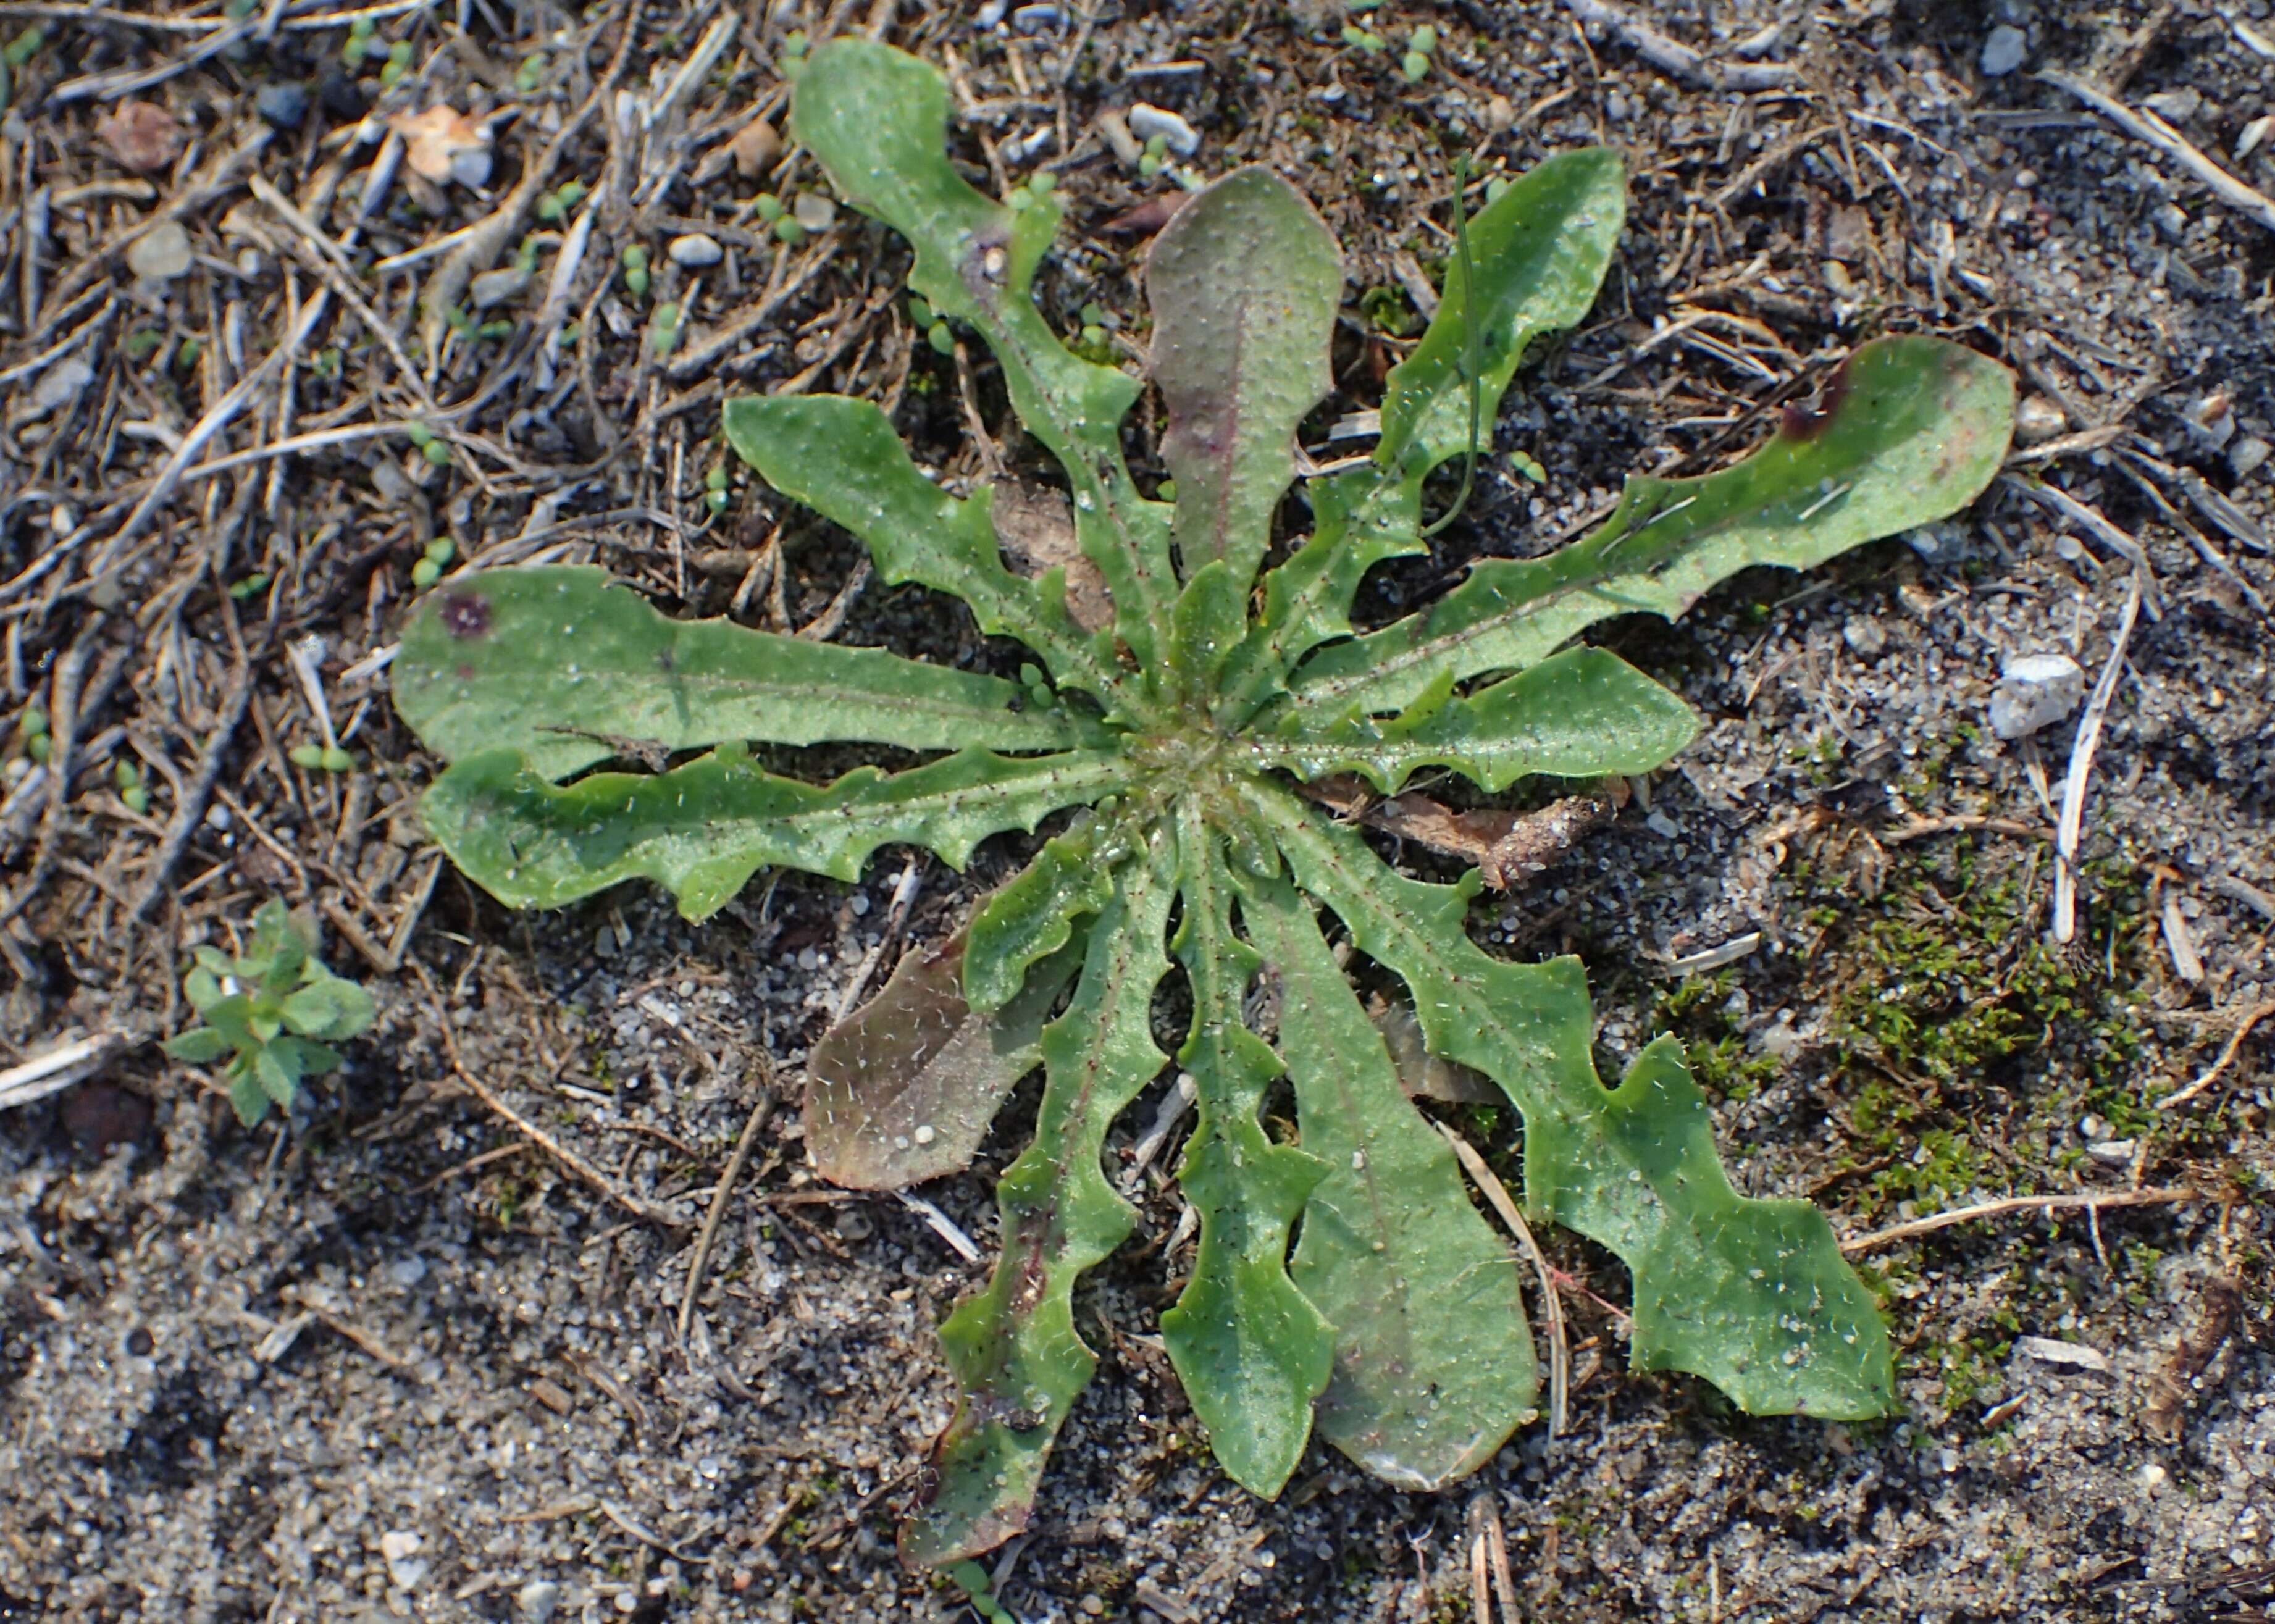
x: 703, y: 829
x: 1911, y: 429
x: 502, y: 657
x: 1033, y: 915
x: 1634, y: 1168
x: 1014, y: 1346
x: 1434, y: 1363
x: 841, y: 458
x: 1251, y: 1352
x: 877, y: 121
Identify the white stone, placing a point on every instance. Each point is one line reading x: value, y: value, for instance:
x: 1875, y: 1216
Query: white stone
x: 161, y: 254
x: 2038, y: 419
x: 695, y: 250
x: 2175, y: 106
x: 1864, y: 635
x: 2113, y: 1152
x: 2069, y: 1355
x: 1147, y: 121
x: 816, y: 211
x: 2003, y: 50
x: 2247, y: 455
x: 536, y: 1601
x: 404, y: 1566
x: 2034, y: 691
x: 60, y: 385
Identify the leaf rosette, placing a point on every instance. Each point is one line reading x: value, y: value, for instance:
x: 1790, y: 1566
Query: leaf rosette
x: 1342, y: 1282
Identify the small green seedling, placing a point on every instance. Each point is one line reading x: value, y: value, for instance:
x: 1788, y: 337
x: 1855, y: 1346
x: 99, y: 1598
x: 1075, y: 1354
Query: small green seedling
x: 275, y: 1012
x: 1193, y: 678
x: 636, y: 271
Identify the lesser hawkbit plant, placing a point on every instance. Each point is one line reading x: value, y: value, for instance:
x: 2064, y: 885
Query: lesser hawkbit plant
x: 1193, y: 677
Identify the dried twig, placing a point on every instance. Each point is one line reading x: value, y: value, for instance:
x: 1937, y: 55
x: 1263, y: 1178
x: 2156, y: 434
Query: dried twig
x: 2049, y: 1205
x: 719, y: 1196
x: 2145, y: 125
x: 1676, y: 58
x: 2252, y: 1017
x: 1497, y: 1196
x: 57, y: 1069
x: 2080, y: 770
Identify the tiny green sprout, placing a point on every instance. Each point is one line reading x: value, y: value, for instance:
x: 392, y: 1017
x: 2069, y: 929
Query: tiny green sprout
x: 32, y: 723
x: 1414, y: 67
x: 442, y: 550
x: 351, y: 51
x: 437, y: 452
x: 920, y: 316
x: 717, y: 502
x: 327, y: 364
x: 524, y: 257
x: 663, y: 330
x: 40, y: 746
x: 716, y: 478
x: 570, y: 192
x: 769, y: 207
x: 460, y: 320
x: 251, y: 586
x: 1424, y: 40
x: 1175, y: 701
x: 186, y: 356
x: 570, y: 332
x: 273, y: 1013
x: 940, y: 339
x: 970, y: 1577
x: 1362, y: 39
x: 142, y: 344
x: 1149, y: 164
x: 490, y: 332
x: 419, y: 434
x: 1158, y: 145
x: 549, y: 209
x: 1042, y: 183
x: 25, y: 46
x: 135, y: 798
x: 636, y: 280
x: 308, y: 758
x: 1094, y: 335
x: 530, y: 75
x: 425, y: 573
x: 362, y: 27
x: 1095, y: 314
x: 126, y: 773
x: 334, y: 760
x: 787, y: 231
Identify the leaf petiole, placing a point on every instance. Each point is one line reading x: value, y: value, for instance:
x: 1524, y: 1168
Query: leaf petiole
x: 1470, y: 363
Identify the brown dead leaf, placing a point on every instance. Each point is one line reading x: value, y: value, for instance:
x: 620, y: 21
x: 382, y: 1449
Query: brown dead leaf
x: 433, y: 139
x: 1036, y: 528
x: 1508, y: 848
x: 754, y: 148
x: 142, y: 135
x: 1149, y: 217
x: 903, y: 1089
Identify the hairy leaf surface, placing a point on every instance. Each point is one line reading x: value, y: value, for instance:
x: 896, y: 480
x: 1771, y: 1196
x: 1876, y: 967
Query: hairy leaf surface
x: 1014, y: 1347
x: 1433, y: 1360
x: 1578, y: 714
x: 703, y: 829
x: 1633, y: 1169
x: 1243, y: 283
x: 498, y: 660
x: 1251, y: 1351
x: 1911, y: 429
x: 877, y: 120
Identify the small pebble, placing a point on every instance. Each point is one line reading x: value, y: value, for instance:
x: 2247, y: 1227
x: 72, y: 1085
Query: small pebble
x: 1147, y: 121
x: 2247, y: 455
x: 754, y: 149
x: 60, y: 385
x: 404, y: 1567
x: 695, y: 250
x: 470, y: 166
x: 1036, y: 19
x: 536, y: 1600
x: 283, y: 103
x: 2175, y: 106
x: 493, y: 288
x: 2038, y: 419
x: 2034, y: 691
x: 1663, y: 826
x: 161, y: 254
x: 2070, y: 1355
x: 1865, y: 635
x: 2090, y: 1127
x: 2113, y: 1152
x: 815, y: 211
x: 853, y: 1224
x: 2003, y: 50
x: 343, y: 97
